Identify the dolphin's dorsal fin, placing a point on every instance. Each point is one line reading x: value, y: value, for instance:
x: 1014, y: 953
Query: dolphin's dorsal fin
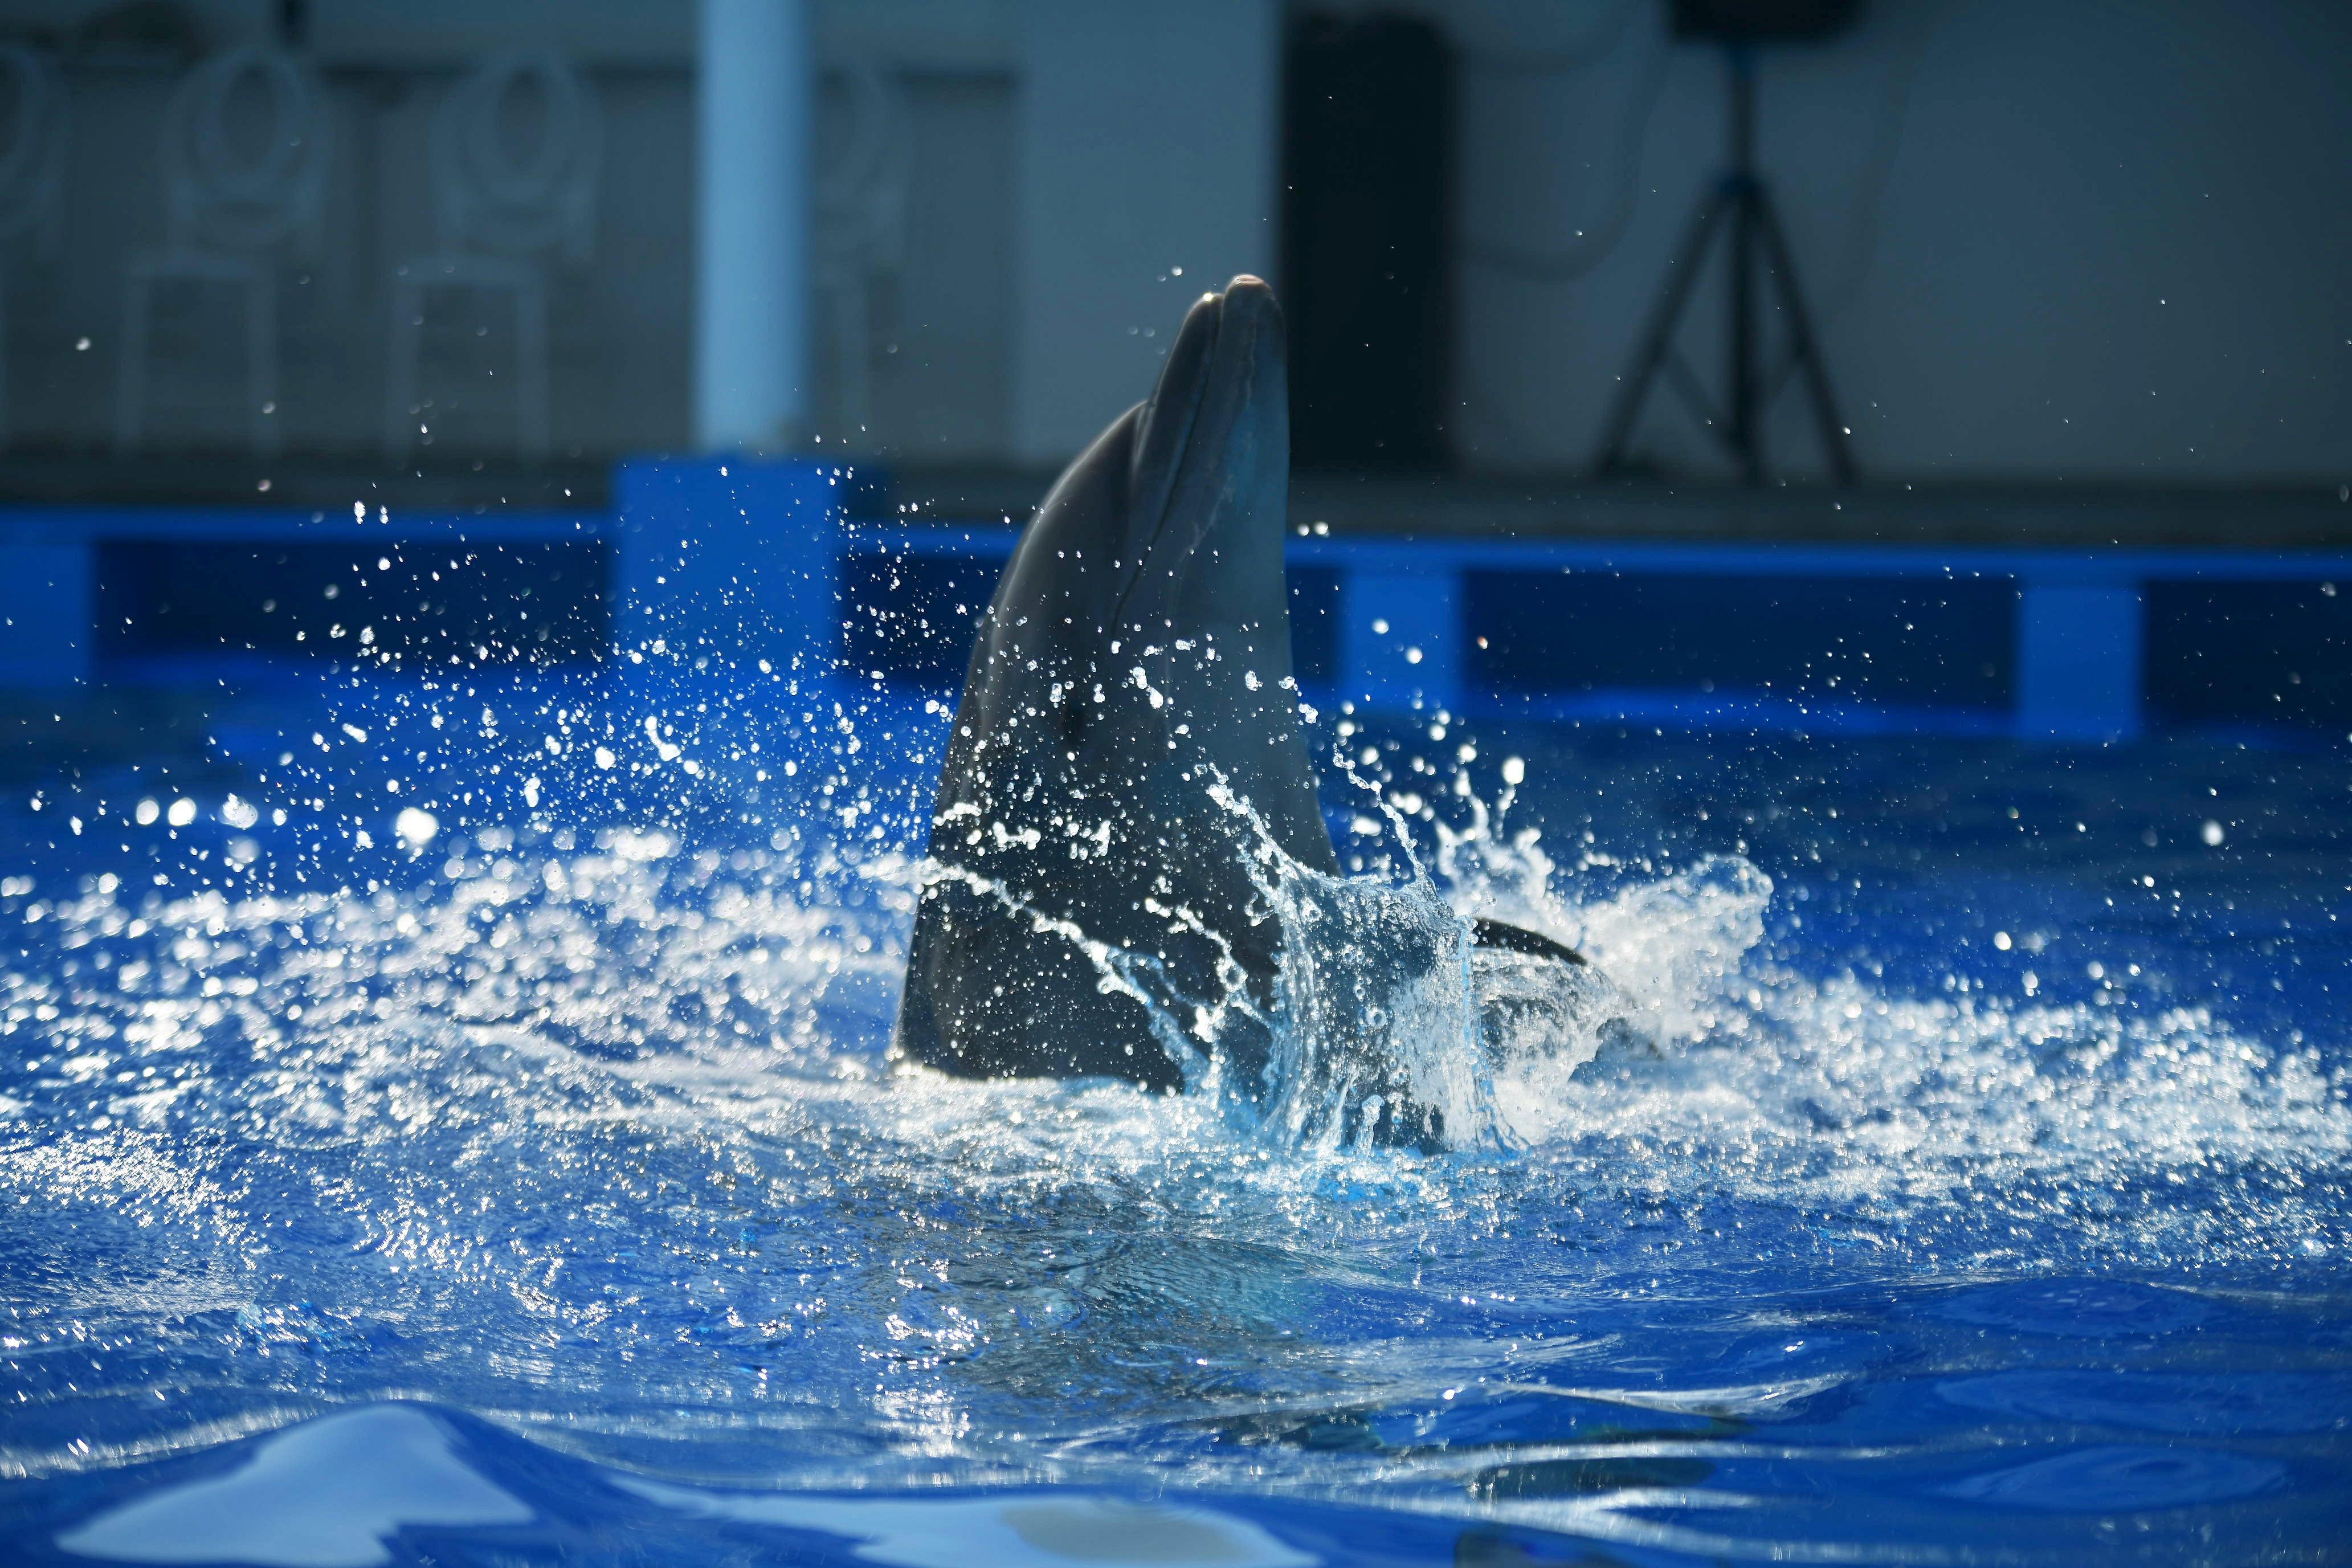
x: 1485, y: 933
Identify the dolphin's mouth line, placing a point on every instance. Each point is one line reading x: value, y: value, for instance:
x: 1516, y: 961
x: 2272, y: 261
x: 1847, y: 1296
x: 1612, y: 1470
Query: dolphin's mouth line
x: 1133, y: 577
x: 1150, y: 548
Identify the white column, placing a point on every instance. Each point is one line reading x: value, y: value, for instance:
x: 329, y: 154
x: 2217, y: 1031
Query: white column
x: 754, y: 120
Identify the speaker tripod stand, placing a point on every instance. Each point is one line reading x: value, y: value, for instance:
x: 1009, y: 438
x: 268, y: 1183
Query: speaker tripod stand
x: 1740, y: 204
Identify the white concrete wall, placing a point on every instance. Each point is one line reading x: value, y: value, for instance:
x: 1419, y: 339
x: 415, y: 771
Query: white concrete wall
x: 2111, y: 246
x: 1149, y: 141
x: 621, y: 326
x: 2112, y: 242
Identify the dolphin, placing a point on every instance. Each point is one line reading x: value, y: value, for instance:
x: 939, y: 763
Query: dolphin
x: 1127, y: 756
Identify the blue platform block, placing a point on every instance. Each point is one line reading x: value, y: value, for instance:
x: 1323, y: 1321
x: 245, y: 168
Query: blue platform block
x: 2078, y: 660
x: 724, y: 562
x: 47, y: 605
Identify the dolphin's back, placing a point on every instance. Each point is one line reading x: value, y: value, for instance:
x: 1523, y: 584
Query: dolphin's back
x: 1135, y: 656
x: 989, y: 993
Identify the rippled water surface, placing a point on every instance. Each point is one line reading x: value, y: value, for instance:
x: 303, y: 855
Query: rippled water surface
x: 1971, y: 1187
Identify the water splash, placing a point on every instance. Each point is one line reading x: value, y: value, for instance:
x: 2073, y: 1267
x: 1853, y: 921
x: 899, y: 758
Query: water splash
x: 1388, y: 1025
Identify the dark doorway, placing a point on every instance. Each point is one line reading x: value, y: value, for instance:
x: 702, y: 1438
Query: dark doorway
x: 1367, y: 159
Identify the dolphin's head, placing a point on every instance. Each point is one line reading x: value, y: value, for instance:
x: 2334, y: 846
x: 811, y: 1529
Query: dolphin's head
x: 1173, y: 521
x: 1208, y: 470
x: 1154, y: 570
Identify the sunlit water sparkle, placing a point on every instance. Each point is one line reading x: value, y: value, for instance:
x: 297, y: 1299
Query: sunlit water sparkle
x: 522, y: 1178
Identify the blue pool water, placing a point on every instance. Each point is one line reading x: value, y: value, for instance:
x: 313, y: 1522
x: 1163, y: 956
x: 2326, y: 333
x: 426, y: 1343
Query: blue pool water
x: 1971, y: 1187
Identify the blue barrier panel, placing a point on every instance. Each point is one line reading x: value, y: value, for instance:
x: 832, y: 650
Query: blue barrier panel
x: 2250, y: 652
x: 714, y: 562
x: 1854, y: 638
x: 68, y: 573
x: 1888, y: 641
x: 420, y: 600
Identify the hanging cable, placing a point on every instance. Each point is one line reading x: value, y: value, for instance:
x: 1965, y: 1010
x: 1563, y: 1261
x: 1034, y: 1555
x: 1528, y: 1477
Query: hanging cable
x: 1878, y: 169
x: 1594, y: 47
x: 1594, y: 244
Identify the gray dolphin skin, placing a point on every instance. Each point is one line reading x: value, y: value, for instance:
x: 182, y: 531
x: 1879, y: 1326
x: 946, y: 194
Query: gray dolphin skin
x: 1135, y: 658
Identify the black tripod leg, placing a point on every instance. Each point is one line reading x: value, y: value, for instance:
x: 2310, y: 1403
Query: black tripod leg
x: 1835, y: 439
x: 1659, y: 335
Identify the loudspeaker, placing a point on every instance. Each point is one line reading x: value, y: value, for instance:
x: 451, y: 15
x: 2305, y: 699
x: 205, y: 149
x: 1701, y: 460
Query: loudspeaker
x: 1763, y: 21
x: 1367, y: 210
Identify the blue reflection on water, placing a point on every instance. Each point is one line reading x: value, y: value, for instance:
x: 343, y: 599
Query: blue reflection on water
x: 537, y: 1189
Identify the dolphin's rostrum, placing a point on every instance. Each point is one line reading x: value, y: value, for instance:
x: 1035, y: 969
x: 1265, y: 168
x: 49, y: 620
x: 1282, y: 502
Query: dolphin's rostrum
x: 1127, y: 749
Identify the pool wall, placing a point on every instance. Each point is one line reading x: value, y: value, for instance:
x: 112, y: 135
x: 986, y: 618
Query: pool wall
x: 762, y: 559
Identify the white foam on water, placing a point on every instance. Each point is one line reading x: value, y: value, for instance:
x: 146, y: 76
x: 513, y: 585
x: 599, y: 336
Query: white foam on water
x: 633, y: 980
